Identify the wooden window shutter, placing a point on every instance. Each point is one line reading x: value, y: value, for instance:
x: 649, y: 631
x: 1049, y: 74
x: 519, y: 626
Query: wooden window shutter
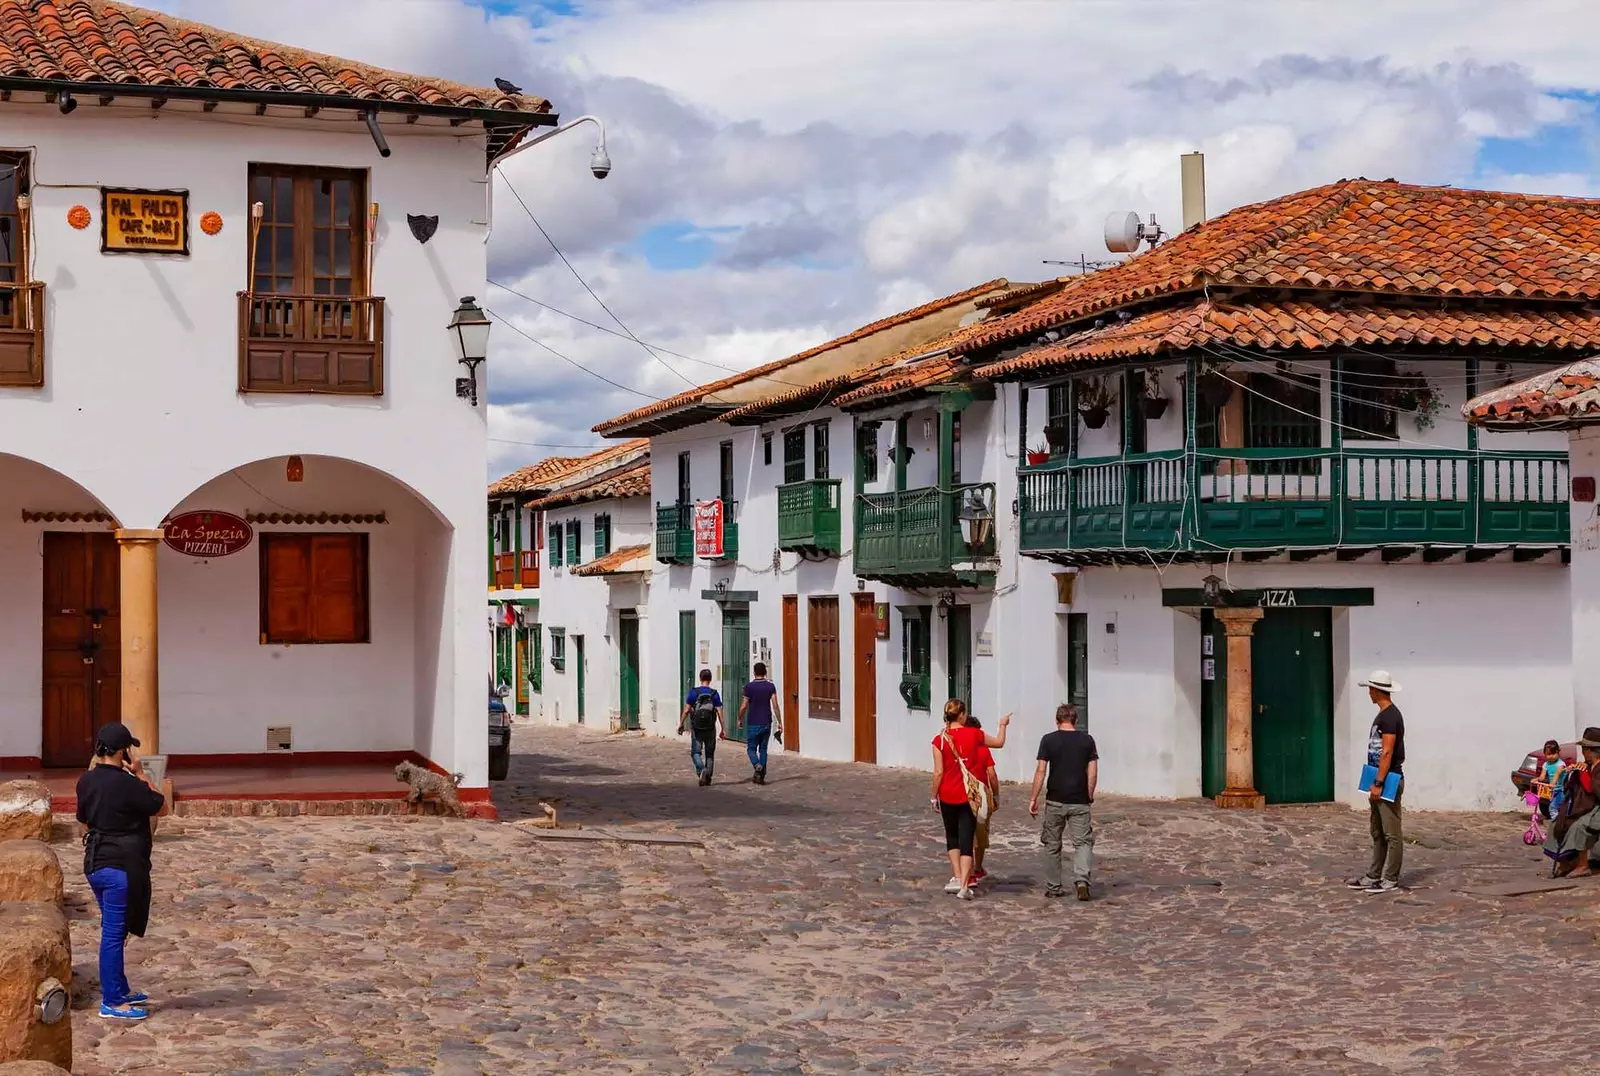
x: 285, y: 588
x: 824, y: 657
x: 314, y: 588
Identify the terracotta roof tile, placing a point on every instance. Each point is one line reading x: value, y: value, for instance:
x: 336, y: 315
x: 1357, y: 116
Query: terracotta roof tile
x: 1305, y: 325
x: 1355, y: 235
x: 910, y: 377
x: 704, y: 395
x: 1564, y: 397
x: 632, y: 481
x: 102, y: 43
x: 630, y: 558
x: 550, y: 474
x: 532, y: 477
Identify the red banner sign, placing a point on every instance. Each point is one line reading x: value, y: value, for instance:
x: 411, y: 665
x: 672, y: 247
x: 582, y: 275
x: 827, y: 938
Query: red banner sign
x: 708, y: 528
x: 207, y: 534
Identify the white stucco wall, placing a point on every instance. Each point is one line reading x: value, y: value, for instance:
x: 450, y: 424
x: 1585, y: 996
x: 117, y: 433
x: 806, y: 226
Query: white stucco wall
x: 1584, y: 576
x: 141, y: 403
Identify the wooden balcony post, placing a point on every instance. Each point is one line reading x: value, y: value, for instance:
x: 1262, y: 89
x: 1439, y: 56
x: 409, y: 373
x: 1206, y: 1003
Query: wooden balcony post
x: 141, y: 705
x: 1240, y: 787
x: 516, y: 526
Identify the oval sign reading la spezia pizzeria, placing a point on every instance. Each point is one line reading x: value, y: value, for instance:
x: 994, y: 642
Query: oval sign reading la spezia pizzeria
x: 207, y: 534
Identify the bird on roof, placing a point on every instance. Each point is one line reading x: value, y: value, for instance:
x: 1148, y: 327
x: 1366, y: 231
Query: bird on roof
x: 507, y: 86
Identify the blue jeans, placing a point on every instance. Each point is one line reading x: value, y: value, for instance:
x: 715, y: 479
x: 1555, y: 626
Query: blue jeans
x: 702, y: 749
x: 110, y: 885
x: 755, y: 745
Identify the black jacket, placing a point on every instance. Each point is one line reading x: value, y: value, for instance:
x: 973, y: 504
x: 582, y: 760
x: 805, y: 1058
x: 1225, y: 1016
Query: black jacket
x: 117, y: 807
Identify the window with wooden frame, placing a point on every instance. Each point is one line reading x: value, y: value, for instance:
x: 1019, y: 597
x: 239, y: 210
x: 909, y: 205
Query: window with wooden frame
x: 794, y: 455
x: 766, y: 450
x: 867, y: 451
x: 1283, y: 411
x: 685, y: 489
x: 21, y: 298
x: 504, y: 527
x: 916, y: 666
x: 574, y: 542
x: 823, y: 657
x: 1365, y: 385
x: 536, y: 661
x: 725, y: 472
x: 309, y: 285
x: 602, y: 534
x: 1058, y: 415
x: 558, y: 649
x: 819, y: 450
x: 314, y: 588
x: 554, y: 543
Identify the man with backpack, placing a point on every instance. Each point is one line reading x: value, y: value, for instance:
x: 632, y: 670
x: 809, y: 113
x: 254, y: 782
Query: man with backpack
x: 702, y: 712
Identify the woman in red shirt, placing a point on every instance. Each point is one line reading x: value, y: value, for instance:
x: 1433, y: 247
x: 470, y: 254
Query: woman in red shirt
x: 949, y: 793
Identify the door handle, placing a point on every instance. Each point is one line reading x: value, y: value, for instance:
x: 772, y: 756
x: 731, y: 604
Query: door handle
x: 1261, y: 708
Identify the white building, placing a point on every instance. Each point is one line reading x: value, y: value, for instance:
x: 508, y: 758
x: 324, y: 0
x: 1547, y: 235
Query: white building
x: 276, y: 385
x: 1298, y: 474
x: 570, y: 648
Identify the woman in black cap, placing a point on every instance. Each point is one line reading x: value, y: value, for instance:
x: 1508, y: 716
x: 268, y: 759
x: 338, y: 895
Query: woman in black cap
x: 116, y: 802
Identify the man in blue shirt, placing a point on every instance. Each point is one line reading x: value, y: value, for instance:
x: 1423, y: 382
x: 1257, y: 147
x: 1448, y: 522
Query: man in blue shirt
x: 702, y: 712
x: 758, y: 711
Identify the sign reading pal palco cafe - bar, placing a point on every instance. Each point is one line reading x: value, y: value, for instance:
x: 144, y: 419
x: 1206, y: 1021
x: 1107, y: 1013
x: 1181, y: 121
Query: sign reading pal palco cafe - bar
x: 143, y: 222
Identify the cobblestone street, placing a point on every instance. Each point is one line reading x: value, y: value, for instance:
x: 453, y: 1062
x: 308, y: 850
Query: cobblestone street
x: 810, y: 934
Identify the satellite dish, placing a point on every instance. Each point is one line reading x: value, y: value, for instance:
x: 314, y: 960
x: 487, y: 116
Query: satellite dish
x: 1123, y: 232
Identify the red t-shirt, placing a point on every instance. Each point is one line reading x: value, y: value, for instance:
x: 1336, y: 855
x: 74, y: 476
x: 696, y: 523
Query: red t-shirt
x: 969, y: 742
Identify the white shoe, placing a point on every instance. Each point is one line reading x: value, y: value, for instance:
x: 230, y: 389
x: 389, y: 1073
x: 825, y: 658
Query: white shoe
x: 953, y: 886
x: 965, y: 894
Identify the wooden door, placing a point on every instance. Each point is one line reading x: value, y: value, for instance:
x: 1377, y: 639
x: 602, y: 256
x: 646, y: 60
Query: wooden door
x: 686, y: 669
x: 735, y: 668
x: 1291, y: 659
x: 577, y: 649
x: 1078, y: 666
x: 628, y: 663
x: 522, y: 670
x: 791, y: 673
x: 958, y: 654
x: 82, y: 643
x: 1213, y: 704
x: 864, y: 633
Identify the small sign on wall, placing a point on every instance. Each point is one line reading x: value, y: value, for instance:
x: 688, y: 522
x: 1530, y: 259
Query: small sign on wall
x: 143, y: 222
x: 705, y: 652
x: 1208, y: 669
x: 985, y: 647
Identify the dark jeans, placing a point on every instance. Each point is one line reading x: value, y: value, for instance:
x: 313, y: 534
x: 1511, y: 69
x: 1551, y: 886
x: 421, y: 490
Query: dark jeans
x: 1388, y: 843
x: 755, y: 745
x: 703, y: 748
x: 110, y: 885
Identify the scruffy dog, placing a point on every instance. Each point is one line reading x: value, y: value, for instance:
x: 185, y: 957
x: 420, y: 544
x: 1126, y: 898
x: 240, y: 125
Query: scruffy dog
x: 425, y: 783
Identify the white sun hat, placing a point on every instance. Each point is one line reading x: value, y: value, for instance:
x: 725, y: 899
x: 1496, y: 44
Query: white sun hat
x: 1381, y: 680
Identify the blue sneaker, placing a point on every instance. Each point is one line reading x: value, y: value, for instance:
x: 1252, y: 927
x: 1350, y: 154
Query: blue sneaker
x: 127, y: 1013
x: 136, y: 997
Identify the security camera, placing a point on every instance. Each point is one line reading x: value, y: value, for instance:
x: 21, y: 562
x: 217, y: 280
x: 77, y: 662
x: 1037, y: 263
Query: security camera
x: 600, y: 164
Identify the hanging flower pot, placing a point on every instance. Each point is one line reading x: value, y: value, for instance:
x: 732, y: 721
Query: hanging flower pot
x: 1095, y: 417
x: 1153, y: 406
x: 1058, y: 434
x: 1215, y: 390
x: 1094, y: 402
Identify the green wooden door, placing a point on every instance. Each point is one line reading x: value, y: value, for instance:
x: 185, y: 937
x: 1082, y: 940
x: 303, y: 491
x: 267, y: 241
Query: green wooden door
x: 1213, y: 674
x: 735, y: 667
x: 1078, y: 666
x: 686, y: 669
x: 628, y: 663
x: 577, y: 652
x: 958, y: 655
x: 1291, y: 657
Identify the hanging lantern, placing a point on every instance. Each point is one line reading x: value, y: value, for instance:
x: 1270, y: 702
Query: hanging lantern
x: 295, y: 470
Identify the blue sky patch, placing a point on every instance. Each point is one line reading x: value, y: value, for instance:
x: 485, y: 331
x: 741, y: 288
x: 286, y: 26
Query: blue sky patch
x: 1556, y: 148
x: 537, y: 12
x: 678, y: 244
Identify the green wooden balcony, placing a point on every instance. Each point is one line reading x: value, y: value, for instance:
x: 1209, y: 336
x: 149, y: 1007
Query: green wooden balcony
x: 920, y: 536
x: 675, y: 533
x: 808, y: 516
x: 1223, y: 499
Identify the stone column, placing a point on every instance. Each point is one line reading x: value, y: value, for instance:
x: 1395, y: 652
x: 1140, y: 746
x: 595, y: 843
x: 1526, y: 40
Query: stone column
x: 1240, y: 789
x: 140, y: 682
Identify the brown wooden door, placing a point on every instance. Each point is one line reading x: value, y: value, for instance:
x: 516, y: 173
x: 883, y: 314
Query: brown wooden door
x: 791, y: 673
x: 865, y: 641
x: 82, y: 643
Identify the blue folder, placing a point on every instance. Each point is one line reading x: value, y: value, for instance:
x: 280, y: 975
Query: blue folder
x: 1391, y: 783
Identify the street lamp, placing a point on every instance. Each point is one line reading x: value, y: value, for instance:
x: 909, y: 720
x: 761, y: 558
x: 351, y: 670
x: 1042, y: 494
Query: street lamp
x: 977, y: 517
x: 469, y: 332
x: 1211, y: 591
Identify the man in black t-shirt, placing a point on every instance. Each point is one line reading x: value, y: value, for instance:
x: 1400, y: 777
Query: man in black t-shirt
x: 1386, y: 754
x: 1069, y: 768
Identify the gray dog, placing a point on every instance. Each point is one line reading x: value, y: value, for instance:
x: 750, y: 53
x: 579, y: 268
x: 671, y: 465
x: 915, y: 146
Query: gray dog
x: 425, y: 783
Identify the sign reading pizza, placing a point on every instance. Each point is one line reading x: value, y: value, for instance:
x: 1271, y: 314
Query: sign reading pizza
x: 207, y: 534
x: 708, y: 528
x: 143, y: 222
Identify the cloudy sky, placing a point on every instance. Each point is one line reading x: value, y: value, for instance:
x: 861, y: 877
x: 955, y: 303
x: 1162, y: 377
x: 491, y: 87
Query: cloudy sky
x: 786, y: 170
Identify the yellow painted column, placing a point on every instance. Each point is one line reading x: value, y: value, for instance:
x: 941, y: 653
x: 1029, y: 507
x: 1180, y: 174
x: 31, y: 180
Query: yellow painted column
x: 141, y: 708
x: 1240, y: 787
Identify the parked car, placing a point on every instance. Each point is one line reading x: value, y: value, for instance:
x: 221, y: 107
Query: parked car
x: 1525, y: 774
x: 499, y: 739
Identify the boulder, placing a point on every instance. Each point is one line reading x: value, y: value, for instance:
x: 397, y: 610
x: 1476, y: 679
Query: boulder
x: 34, y: 946
x: 32, y: 1068
x: 29, y: 870
x: 24, y: 810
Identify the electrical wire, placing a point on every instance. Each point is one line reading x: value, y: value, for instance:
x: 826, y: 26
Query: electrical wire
x: 607, y: 329
x: 502, y: 319
x: 546, y: 444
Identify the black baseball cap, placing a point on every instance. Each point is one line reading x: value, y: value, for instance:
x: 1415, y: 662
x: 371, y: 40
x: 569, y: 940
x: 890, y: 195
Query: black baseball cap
x: 113, y: 738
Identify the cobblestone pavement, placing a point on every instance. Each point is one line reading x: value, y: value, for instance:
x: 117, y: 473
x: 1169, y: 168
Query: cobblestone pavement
x: 810, y: 934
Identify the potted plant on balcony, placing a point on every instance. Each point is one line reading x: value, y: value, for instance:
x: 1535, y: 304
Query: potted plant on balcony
x: 900, y: 453
x: 1094, y: 402
x: 1154, y: 402
x: 1413, y: 392
x: 1213, y: 388
x: 1038, y: 454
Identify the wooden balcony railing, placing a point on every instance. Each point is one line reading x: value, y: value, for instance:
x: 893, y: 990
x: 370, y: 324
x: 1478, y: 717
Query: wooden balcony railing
x: 1221, y: 499
x: 923, y: 534
x: 505, y: 570
x: 22, y: 334
x: 530, y: 568
x: 808, y: 515
x: 675, y: 533
x: 311, y: 343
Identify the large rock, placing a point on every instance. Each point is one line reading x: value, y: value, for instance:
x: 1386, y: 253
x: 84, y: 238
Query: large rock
x: 34, y: 946
x: 32, y: 1068
x: 29, y: 870
x: 24, y: 810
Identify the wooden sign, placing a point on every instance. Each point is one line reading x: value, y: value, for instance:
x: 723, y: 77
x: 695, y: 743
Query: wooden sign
x: 143, y: 222
x: 708, y: 529
x: 207, y: 534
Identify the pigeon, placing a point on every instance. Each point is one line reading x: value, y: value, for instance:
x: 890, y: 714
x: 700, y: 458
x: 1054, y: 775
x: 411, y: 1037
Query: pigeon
x: 507, y: 86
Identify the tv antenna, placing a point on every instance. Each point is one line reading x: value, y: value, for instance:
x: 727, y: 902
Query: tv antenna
x: 1124, y: 232
x: 1083, y: 263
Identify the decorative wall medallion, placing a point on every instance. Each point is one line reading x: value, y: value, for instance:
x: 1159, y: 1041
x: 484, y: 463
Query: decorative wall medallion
x: 422, y: 227
x: 211, y: 222
x: 78, y: 217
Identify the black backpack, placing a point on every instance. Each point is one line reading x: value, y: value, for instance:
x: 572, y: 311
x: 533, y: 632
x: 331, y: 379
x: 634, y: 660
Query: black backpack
x: 703, y: 714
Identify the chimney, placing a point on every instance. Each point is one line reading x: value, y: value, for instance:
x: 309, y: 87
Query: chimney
x: 1193, y: 167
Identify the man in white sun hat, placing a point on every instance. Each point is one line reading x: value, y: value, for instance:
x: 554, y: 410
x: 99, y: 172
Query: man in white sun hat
x: 1386, y: 752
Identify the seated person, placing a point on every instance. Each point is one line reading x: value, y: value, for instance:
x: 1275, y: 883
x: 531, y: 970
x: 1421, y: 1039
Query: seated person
x: 1577, y: 827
